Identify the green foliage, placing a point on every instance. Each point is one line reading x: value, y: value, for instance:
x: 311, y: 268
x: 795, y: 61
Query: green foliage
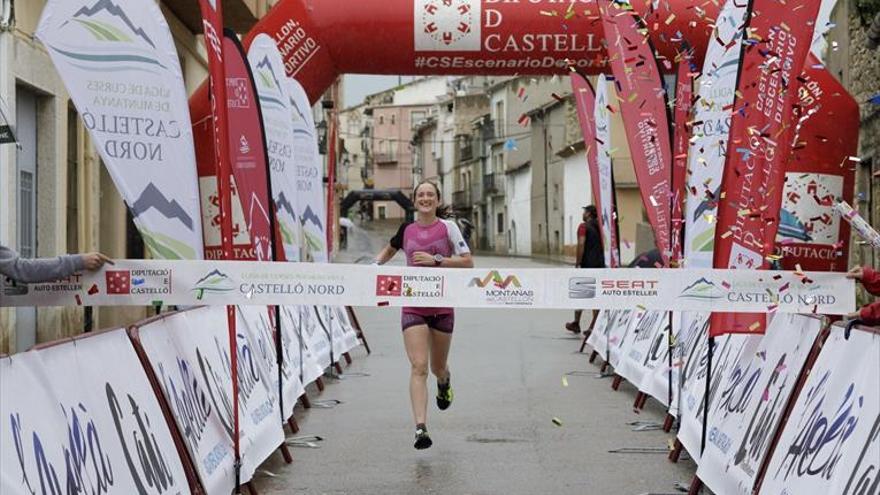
x: 867, y: 9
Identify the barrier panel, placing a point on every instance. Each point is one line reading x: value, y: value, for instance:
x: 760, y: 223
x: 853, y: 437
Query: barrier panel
x: 728, y: 355
x: 748, y: 406
x: 80, y: 416
x: 636, y: 350
x: 830, y: 441
x: 190, y: 358
x: 657, y: 380
x: 296, y: 319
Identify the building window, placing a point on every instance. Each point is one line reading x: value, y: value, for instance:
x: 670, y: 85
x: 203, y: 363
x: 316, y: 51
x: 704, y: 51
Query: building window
x: 555, y: 197
x: 382, y: 213
x: 499, y: 119
x: 381, y: 119
x: 500, y: 223
x: 392, y: 119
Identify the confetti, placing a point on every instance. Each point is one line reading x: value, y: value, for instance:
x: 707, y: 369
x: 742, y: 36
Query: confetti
x: 556, y: 421
x: 564, y: 381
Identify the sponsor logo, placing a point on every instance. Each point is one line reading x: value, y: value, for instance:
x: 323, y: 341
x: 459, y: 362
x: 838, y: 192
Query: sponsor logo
x: 701, y: 289
x: 501, y: 290
x: 582, y: 287
x: 138, y: 282
x: 807, y: 208
x: 425, y: 286
x: 214, y: 282
x: 496, y: 279
x: 447, y: 25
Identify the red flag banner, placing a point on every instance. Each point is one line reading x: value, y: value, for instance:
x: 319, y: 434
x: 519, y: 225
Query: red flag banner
x: 643, y: 107
x: 251, y: 226
x: 585, y: 102
x: 758, y: 150
x: 684, y: 90
x: 811, y: 235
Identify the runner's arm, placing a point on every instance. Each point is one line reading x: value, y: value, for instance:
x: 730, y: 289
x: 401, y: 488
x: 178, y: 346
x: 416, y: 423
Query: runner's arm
x: 385, y: 254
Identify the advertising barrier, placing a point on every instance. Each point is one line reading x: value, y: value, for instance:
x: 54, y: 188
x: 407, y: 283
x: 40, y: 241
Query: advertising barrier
x: 830, y: 442
x: 90, y: 424
x: 191, y: 283
x: 188, y: 353
x: 749, y: 404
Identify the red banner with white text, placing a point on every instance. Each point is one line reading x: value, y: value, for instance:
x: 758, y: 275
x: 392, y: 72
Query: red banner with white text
x: 811, y: 235
x: 762, y: 129
x: 643, y: 107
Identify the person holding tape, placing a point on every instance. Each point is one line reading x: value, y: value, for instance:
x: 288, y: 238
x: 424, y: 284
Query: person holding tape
x: 430, y: 241
x: 32, y: 271
x: 870, y: 279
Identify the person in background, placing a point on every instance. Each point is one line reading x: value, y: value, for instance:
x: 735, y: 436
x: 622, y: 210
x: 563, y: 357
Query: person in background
x: 589, y: 255
x: 31, y: 271
x: 870, y: 279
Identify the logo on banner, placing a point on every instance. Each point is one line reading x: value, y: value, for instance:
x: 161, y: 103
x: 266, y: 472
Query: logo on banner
x: 701, y: 289
x: 214, y: 282
x: 108, y: 24
x: 808, y: 208
x: 424, y: 286
x: 581, y: 287
x: 501, y: 290
x: 238, y: 95
x: 142, y: 281
x: 447, y: 25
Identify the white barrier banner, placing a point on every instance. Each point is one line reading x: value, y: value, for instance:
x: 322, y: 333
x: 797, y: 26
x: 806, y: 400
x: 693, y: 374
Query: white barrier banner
x: 750, y: 401
x: 656, y: 379
x: 190, y: 283
x: 634, y: 357
x: 81, y: 417
x: 831, y: 441
x: 189, y: 352
x: 296, y: 319
x: 619, y: 335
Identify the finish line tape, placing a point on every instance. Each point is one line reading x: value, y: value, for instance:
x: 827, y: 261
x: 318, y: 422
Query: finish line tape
x: 191, y: 283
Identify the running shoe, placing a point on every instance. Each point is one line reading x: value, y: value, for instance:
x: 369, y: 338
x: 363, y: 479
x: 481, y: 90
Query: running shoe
x: 423, y: 441
x: 444, y: 393
x: 573, y: 327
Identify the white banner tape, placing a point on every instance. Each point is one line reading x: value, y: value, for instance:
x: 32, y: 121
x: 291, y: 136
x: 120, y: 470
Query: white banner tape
x: 148, y: 282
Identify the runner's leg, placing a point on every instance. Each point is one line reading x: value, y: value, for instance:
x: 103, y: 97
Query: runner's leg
x: 416, y: 339
x: 440, y: 343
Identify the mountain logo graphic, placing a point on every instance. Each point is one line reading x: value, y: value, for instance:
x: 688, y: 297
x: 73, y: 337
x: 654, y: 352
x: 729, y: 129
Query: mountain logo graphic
x: 702, y: 289
x: 495, y: 279
x: 310, y: 216
x: 117, y: 42
x: 215, y: 281
x: 152, y: 198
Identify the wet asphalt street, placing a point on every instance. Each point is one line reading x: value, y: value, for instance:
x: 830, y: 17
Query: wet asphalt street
x: 498, y: 437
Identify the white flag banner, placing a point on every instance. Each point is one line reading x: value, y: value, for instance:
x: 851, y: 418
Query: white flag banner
x: 619, y: 335
x: 606, y: 187
x: 83, y: 416
x: 830, y: 442
x: 690, y: 340
x: 311, y: 205
x: 750, y: 403
x: 317, y: 336
x: 118, y: 62
x: 349, y: 333
x: 708, y: 146
x: 268, y: 69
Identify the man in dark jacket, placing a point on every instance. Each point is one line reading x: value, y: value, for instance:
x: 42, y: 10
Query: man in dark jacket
x: 589, y: 255
x: 47, y: 269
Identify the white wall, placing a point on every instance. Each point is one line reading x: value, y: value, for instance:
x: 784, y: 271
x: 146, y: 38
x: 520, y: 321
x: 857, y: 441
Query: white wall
x: 577, y: 192
x: 422, y: 92
x: 518, y: 202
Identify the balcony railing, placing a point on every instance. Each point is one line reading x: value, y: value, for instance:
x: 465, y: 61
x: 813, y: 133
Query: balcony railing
x: 385, y: 158
x: 493, y: 184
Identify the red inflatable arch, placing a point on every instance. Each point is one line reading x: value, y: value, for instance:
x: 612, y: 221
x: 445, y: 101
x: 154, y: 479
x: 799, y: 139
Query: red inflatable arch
x: 322, y: 39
